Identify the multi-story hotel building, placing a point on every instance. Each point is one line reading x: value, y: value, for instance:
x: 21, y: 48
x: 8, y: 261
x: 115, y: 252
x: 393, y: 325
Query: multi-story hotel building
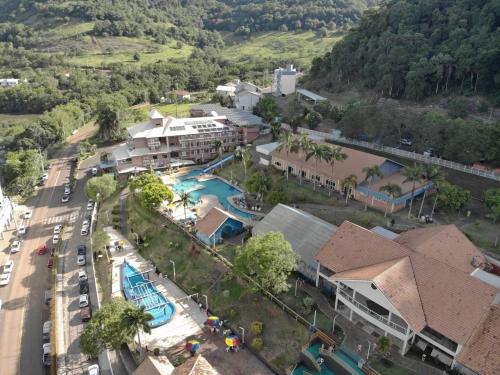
x: 164, y: 141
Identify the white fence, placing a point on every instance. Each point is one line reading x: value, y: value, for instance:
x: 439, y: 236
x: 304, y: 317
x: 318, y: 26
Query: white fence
x: 402, y: 153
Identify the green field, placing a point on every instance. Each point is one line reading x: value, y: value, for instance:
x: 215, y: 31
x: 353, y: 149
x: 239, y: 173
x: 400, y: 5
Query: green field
x: 182, y: 109
x: 121, y: 50
x: 15, y: 118
x: 299, y: 47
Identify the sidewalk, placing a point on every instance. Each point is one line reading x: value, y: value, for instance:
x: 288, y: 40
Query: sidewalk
x: 10, y: 233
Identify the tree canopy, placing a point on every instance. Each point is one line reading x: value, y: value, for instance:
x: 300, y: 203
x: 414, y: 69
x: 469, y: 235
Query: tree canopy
x: 153, y: 194
x: 100, y: 188
x: 144, y: 179
x: 271, y: 258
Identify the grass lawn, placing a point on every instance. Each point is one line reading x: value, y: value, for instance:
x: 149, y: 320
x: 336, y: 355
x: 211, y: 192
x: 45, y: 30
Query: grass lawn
x: 394, y: 370
x: 483, y: 234
x: 149, y: 52
x: 12, y: 117
x: 182, y: 109
x: 228, y: 296
x: 299, y: 47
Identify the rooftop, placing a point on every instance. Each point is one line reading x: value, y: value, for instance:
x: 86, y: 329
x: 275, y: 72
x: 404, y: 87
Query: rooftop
x: 213, y: 220
x: 236, y: 116
x: 311, y: 95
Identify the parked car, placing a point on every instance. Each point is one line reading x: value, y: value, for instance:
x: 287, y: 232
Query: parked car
x: 56, y: 238
x: 9, y: 266
x: 46, y: 356
x: 45, y: 176
x: 94, y: 171
x: 42, y: 249
x: 82, y: 275
x: 84, y: 300
x: 84, y: 231
x: 84, y: 286
x: 80, y: 260
x: 90, y: 205
x: 28, y: 214
x: 405, y: 142
x: 86, y: 314
x: 65, y: 199
x: 86, y: 223
x: 21, y: 230
x: 47, y: 296
x: 50, y: 262
x: 47, y: 326
x: 93, y: 370
x: 4, y: 279
x: 16, y: 246
x: 81, y: 250
x: 67, y: 190
x: 58, y: 228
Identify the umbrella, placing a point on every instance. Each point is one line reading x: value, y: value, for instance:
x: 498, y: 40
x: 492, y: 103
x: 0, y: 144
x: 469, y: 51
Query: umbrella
x: 192, y: 346
x: 233, y: 340
x: 213, y: 321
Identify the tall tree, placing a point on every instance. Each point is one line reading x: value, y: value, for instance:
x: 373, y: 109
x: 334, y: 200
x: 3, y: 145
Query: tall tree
x: 371, y: 173
x: 153, y: 194
x: 412, y: 174
x: 267, y: 108
x: 100, y: 188
x: 185, y: 200
x: 110, y: 112
x: 289, y: 143
x: 271, y: 258
x: 492, y: 200
x: 258, y: 183
x: 144, y: 179
x: 349, y: 183
x: 393, y: 190
x: 134, y: 320
x: 335, y: 154
x: 244, y: 155
x: 218, y: 145
x: 320, y: 153
x: 433, y: 174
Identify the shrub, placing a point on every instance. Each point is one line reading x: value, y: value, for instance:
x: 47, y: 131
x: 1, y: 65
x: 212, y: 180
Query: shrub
x: 278, y: 197
x: 256, y: 328
x: 156, y: 351
x: 257, y: 344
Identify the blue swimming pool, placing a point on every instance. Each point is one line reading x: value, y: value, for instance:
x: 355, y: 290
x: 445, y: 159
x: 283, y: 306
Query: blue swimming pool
x: 215, y: 186
x: 142, y: 292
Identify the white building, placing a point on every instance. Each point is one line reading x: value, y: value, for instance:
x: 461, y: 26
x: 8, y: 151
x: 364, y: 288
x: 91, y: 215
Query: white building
x: 284, y: 81
x: 9, y: 82
x: 226, y: 90
x: 416, y: 289
x: 245, y: 100
x: 6, y: 213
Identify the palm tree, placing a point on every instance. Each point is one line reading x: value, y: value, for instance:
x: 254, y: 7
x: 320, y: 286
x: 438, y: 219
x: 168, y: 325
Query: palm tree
x: 185, y: 201
x: 288, y: 142
x: 335, y: 154
x: 136, y: 319
x: 432, y: 173
x: 437, y: 187
x: 219, y: 147
x: 258, y: 183
x: 349, y: 183
x: 319, y: 152
x: 275, y: 130
x: 393, y: 190
x: 370, y: 174
x: 244, y: 155
x: 304, y: 146
x: 414, y: 175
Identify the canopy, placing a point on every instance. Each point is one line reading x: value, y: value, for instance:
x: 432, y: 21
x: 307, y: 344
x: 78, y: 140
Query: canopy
x: 192, y: 346
x: 233, y: 340
x: 213, y: 321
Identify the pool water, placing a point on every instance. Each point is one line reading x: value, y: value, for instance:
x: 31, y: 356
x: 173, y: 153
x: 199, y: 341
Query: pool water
x: 214, y: 186
x: 135, y: 286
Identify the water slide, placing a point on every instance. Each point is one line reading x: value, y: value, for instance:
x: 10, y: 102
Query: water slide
x: 218, y: 163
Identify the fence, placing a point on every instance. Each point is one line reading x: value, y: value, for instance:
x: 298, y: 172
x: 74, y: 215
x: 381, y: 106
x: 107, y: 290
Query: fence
x: 402, y: 153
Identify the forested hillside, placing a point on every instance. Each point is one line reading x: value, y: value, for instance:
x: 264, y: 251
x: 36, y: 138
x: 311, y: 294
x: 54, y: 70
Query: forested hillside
x: 416, y: 49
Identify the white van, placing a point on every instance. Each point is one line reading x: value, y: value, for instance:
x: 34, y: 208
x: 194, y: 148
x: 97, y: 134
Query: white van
x: 47, y: 326
x: 46, y: 356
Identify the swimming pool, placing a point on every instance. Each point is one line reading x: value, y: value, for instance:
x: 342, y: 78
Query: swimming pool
x: 214, y: 186
x: 142, y: 292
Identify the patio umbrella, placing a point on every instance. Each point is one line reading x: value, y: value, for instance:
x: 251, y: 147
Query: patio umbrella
x: 192, y: 346
x: 233, y: 340
x: 213, y: 321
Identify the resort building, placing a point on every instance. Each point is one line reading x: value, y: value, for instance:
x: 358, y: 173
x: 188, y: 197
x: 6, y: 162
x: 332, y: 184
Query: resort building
x: 416, y: 289
x: 246, y: 100
x: 246, y: 124
x: 163, y: 141
x: 217, y: 225
x: 306, y: 243
x: 321, y: 173
x: 284, y: 81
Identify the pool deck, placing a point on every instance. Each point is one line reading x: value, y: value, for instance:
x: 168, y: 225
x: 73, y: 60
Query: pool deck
x: 188, y: 318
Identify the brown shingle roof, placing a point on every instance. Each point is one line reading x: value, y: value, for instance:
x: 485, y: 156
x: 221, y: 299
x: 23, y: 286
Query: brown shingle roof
x: 481, y: 353
x: 354, y: 164
x: 396, y: 178
x: 452, y: 301
x: 212, y: 221
x: 197, y: 365
x: 154, y: 365
x: 395, y: 279
x: 445, y: 243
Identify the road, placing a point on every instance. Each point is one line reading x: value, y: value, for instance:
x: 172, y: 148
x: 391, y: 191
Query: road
x: 24, y: 310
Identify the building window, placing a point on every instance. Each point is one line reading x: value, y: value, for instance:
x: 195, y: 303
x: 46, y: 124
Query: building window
x: 331, y: 184
x: 277, y: 163
x: 155, y: 157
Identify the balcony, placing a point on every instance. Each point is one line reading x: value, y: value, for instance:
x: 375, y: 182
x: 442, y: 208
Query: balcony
x: 372, y: 313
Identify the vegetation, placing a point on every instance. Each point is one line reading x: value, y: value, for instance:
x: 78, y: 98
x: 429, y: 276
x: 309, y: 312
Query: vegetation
x: 453, y: 197
x: 110, y: 111
x: 266, y: 108
x: 135, y: 319
x: 270, y: 258
x: 144, y: 179
x: 100, y: 188
x: 23, y: 170
x: 154, y: 194
x: 492, y: 200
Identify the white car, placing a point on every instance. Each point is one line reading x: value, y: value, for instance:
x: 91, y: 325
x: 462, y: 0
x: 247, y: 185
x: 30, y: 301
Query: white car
x: 57, y: 229
x: 65, y: 198
x: 9, y: 266
x: 86, y: 223
x: 21, y: 230
x: 28, y: 214
x: 84, y: 231
x: 90, y: 205
x: 15, y: 247
x: 4, y: 279
x: 82, y: 275
x: 84, y: 300
x: 67, y: 190
x: 94, y: 171
x: 93, y: 370
x: 45, y: 176
x: 56, y: 238
x: 80, y: 260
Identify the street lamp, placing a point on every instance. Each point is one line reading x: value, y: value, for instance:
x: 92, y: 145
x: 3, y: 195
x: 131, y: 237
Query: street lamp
x: 369, y: 347
x: 137, y: 241
x: 206, y: 301
x: 173, y: 266
x: 333, y: 326
x: 242, y: 335
x: 296, y: 282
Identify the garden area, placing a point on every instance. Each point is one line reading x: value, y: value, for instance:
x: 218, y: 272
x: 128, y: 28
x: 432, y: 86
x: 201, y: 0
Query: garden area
x: 279, y: 338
